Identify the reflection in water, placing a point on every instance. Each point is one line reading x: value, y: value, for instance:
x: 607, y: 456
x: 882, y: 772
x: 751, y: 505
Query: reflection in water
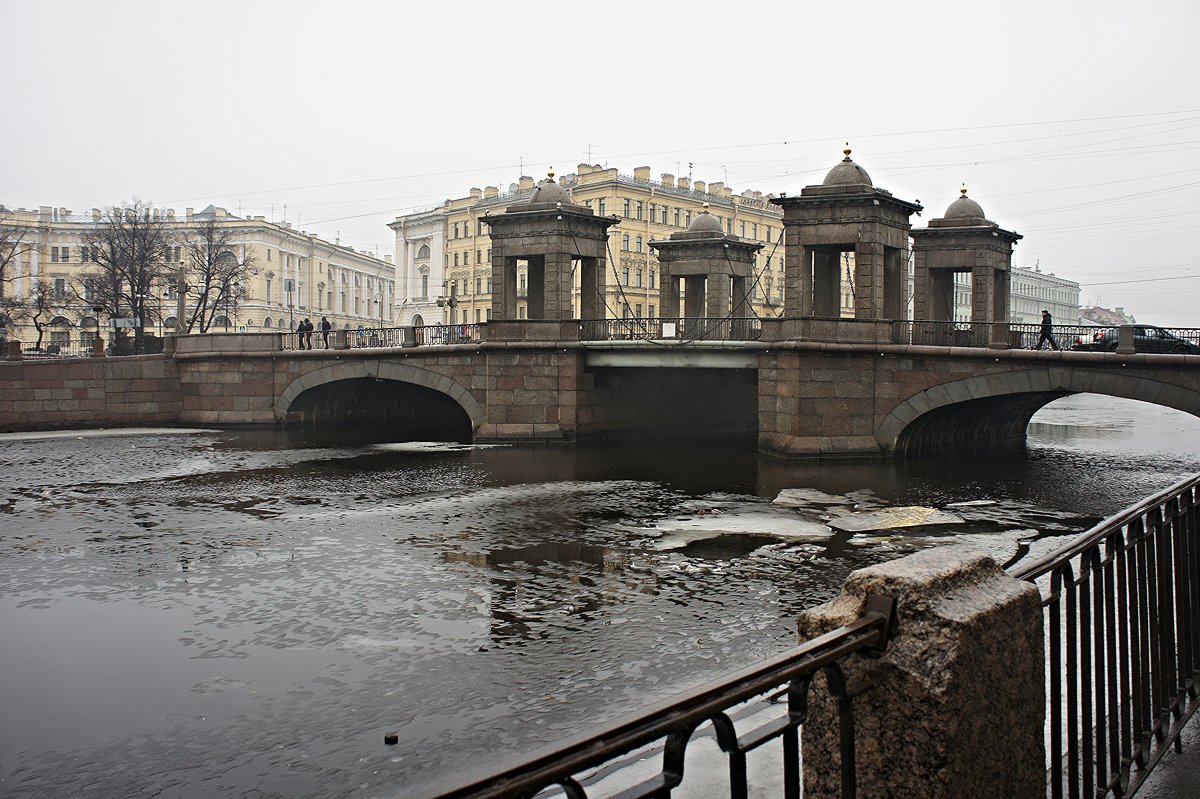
x: 229, y: 614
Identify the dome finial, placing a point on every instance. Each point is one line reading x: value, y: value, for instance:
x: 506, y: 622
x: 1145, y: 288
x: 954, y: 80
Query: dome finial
x: 963, y: 189
x: 705, y: 207
x: 846, y: 151
x: 550, y: 175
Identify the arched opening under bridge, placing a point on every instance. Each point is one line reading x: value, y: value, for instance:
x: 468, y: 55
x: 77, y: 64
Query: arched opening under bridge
x: 391, y: 410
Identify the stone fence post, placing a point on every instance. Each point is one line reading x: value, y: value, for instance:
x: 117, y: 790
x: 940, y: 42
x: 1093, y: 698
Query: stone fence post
x: 955, y: 707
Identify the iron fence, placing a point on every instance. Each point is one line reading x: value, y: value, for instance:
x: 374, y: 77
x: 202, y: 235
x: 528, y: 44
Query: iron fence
x: 447, y: 334
x: 1122, y: 613
x: 784, y: 679
x: 672, y: 328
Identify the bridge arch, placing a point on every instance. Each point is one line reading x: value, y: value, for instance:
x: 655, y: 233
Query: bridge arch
x: 991, y: 412
x: 380, y: 371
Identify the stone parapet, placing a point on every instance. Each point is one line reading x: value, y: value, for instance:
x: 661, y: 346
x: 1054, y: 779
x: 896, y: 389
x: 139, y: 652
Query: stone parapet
x: 955, y: 707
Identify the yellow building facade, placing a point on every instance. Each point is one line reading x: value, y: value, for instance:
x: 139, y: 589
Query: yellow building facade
x: 649, y: 209
x: 293, y: 275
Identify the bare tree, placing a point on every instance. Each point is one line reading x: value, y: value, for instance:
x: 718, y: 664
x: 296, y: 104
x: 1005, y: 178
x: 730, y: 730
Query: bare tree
x: 15, y: 240
x: 129, y: 249
x: 217, y: 271
x: 43, y: 304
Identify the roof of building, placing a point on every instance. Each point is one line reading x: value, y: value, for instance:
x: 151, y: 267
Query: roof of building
x: 964, y: 208
x: 847, y: 173
x: 548, y: 192
x: 704, y: 222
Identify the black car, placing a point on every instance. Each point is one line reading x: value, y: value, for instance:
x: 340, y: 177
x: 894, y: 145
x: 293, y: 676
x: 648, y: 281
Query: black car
x: 1146, y: 338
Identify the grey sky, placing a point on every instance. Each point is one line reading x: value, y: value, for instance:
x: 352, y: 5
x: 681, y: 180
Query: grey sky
x: 1075, y: 123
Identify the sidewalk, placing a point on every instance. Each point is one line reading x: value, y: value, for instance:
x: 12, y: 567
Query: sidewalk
x: 1177, y: 776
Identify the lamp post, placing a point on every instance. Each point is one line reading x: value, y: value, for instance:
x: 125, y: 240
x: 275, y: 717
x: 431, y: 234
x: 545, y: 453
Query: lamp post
x: 98, y: 344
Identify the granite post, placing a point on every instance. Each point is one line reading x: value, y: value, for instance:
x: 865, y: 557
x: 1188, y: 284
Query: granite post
x: 955, y: 706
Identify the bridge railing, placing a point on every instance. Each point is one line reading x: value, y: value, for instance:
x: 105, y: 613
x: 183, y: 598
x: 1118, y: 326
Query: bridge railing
x: 672, y: 328
x: 1121, y: 605
x: 446, y: 334
x: 769, y: 699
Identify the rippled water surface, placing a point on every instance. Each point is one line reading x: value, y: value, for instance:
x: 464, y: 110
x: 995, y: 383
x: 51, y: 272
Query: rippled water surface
x: 216, y: 614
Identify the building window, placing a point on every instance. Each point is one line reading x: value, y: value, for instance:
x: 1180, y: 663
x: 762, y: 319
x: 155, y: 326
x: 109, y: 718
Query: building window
x: 268, y: 293
x: 640, y: 209
x: 268, y: 258
x: 456, y: 257
x: 754, y: 231
x: 601, y: 202
x: 625, y: 276
x: 664, y: 214
x: 53, y: 255
x: 676, y: 217
x: 687, y: 219
x: 478, y: 285
x: 743, y: 229
x: 639, y: 244
x: 637, y: 310
x: 625, y: 242
x: 637, y: 278
x: 479, y: 256
x: 479, y: 227
x: 60, y: 288
x: 455, y: 236
x: 625, y: 208
x: 652, y: 311
x: 652, y: 277
x: 653, y: 211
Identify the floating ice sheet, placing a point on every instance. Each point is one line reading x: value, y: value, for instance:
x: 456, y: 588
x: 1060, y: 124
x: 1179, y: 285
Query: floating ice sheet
x: 808, y: 497
x: 680, y: 531
x: 891, y: 518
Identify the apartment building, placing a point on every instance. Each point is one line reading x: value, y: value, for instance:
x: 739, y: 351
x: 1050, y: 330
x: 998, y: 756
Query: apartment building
x: 447, y: 249
x: 294, y: 274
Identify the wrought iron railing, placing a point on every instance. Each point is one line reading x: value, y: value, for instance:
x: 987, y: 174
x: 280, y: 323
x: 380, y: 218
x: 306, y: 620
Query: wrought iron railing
x: 678, y: 328
x: 447, y: 334
x: 785, y: 679
x: 1122, y: 610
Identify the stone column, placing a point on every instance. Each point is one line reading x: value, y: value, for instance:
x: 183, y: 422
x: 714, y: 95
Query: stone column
x: 868, y: 281
x: 955, y: 707
x: 693, y: 296
x: 591, y: 288
x: 798, y: 280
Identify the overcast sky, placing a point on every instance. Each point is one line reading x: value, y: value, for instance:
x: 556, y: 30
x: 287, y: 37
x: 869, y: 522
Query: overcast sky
x: 1077, y: 124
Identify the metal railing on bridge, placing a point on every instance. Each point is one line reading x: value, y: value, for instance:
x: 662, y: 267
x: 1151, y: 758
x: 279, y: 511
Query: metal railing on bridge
x: 1121, y: 605
x: 770, y: 699
x: 369, y: 337
x: 672, y: 328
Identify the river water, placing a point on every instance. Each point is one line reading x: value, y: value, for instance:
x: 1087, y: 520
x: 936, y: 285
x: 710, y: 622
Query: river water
x: 221, y: 614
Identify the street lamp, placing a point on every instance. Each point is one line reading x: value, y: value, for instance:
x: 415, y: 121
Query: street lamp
x: 98, y: 344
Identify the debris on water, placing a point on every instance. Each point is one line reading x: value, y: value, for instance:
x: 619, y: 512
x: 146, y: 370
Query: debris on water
x: 391, y: 739
x: 971, y: 503
x: 891, y: 518
x: 807, y: 497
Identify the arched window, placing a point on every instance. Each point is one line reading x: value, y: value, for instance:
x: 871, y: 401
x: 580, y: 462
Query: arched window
x: 221, y: 321
x: 417, y: 320
x: 267, y: 322
x: 169, y: 322
x: 423, y: 252
x: 60, y: 321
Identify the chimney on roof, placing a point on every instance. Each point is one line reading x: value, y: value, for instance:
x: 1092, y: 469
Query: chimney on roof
x: 717, y: 188
x: 476, y: 194
x: 388, y: 258
x: 491, y: 191
x: 95, y: 214
x: 698, y: 185
x: 526, y: 182
x: 641, y: 173
x: 583, y: 169
x: 667, y: 179
x: 684, y: 183
x: 170, y: 214
x: 189, y: 212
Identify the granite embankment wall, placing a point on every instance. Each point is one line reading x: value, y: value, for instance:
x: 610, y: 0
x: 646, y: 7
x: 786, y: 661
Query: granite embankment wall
x: 62, y: 393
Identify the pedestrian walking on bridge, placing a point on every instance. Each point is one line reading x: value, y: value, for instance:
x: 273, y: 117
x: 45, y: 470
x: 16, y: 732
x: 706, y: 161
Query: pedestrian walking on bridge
x: 1047, y: 332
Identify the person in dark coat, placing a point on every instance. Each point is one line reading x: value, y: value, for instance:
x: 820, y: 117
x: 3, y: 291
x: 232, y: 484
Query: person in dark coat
x: 1047, y: 332
x: 300, y: 334
x: 325, y: 328
x: 308, y: 331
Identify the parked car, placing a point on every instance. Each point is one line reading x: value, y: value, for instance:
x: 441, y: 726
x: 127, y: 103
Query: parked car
x: 1146, y: 338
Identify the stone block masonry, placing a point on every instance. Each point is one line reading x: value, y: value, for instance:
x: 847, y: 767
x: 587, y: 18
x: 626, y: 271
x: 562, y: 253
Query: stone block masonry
x: 89, y: 392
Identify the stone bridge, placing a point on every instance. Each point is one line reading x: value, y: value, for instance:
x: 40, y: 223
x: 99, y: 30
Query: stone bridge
x: 797, y: 397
